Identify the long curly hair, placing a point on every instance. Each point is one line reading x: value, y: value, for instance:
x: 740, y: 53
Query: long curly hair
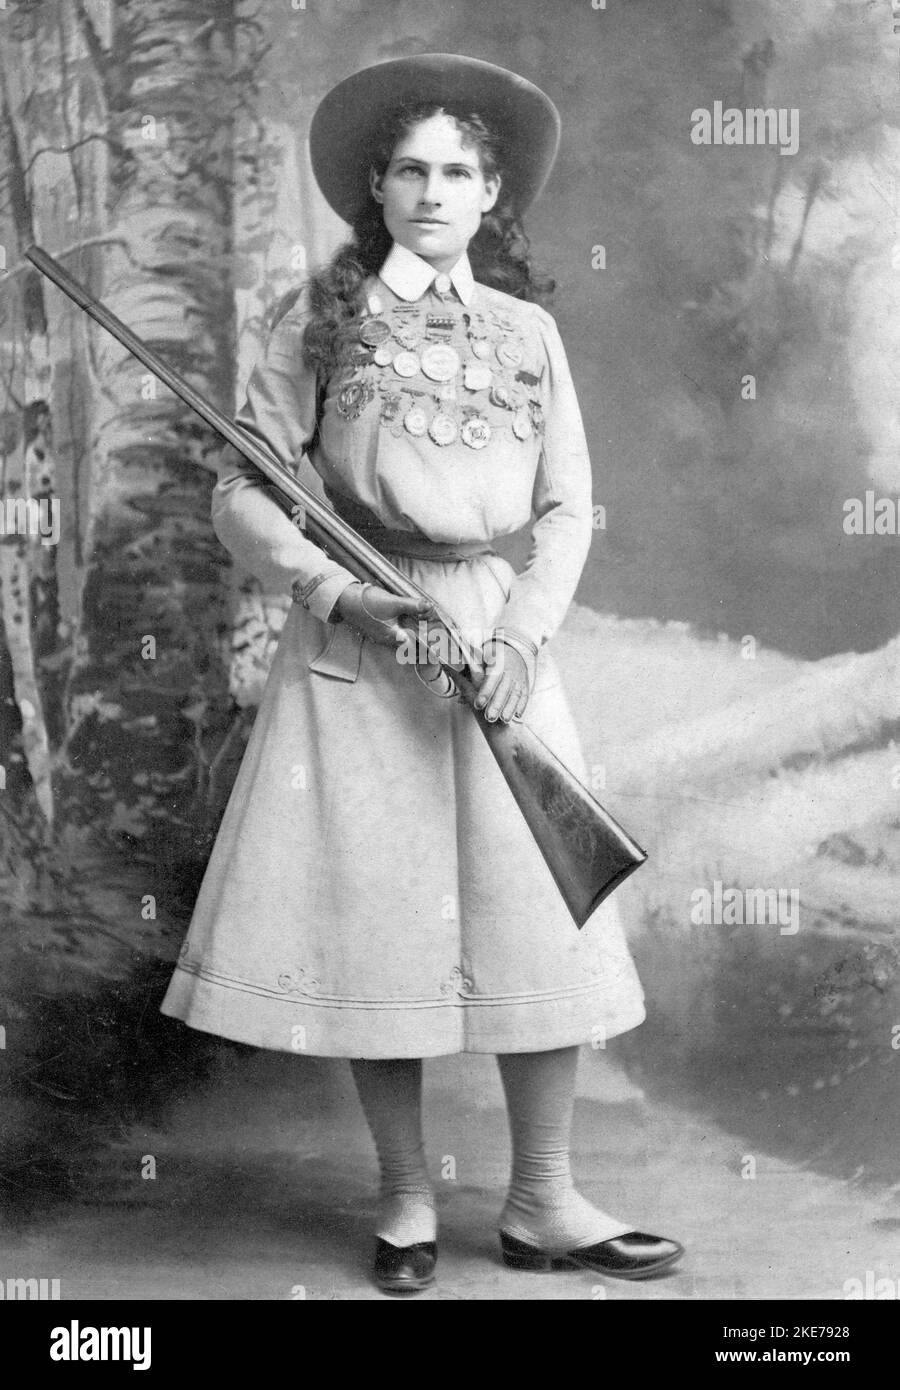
x: 499, y: 252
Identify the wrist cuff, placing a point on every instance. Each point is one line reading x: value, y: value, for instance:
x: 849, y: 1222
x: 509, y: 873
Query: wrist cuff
x: 320, y: 594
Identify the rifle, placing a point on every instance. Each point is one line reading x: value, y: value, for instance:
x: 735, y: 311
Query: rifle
x: 586, y: 850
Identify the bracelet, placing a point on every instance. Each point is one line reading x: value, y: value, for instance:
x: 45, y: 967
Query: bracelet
x: 362, y: 603
x: 373, y: 618
x: 519, y: 639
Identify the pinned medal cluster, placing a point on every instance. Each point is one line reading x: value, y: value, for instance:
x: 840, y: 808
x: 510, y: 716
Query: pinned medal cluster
x: 410, y: 346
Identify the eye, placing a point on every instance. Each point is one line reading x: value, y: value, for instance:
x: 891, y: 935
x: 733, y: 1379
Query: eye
x: 461, y: 173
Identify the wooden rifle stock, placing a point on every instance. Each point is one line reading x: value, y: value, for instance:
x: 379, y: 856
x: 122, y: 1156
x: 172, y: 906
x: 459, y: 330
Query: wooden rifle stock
x: 586, y: 850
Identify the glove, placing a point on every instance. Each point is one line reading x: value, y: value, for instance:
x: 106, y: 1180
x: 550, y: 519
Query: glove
x: 375, y: 613
x: 505, y: 682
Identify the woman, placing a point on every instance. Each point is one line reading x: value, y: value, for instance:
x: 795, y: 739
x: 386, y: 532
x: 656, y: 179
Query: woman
x: 374, y: 892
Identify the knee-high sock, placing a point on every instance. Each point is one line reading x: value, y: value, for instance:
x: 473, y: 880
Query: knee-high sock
x: 391, y: 1095
x: 543, y: 1207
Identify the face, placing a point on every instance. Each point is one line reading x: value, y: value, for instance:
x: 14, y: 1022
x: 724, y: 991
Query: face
x: 433, y: 192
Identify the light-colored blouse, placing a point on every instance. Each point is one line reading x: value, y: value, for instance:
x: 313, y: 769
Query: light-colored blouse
x: 452, y: 415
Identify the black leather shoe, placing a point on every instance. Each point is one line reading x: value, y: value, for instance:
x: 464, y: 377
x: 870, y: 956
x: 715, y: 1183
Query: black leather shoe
x: 633, y: 1255
x: 404, y: 1268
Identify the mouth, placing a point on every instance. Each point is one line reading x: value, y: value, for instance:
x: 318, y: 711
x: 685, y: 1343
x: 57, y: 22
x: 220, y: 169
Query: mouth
x: 427, y: 222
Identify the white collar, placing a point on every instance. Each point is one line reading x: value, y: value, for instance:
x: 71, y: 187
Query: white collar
x: 409, y: 276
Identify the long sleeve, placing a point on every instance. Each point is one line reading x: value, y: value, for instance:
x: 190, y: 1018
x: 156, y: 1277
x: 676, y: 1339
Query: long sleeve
x: 280, y: 412
x: 561, y: 507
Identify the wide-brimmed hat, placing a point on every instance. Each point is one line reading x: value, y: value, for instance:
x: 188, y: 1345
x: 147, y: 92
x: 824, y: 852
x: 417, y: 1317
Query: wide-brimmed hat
x: 342, y: 129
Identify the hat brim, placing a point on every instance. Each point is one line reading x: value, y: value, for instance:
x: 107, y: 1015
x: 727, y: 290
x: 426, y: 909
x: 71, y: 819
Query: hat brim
x: 523, y: 116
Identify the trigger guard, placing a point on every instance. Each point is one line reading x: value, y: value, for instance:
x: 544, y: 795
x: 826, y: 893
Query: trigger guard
x: 442, y: 687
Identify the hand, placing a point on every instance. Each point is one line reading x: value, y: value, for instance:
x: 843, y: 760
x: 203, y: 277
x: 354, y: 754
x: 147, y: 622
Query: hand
x: 503, y: 685
x: 375, y: 613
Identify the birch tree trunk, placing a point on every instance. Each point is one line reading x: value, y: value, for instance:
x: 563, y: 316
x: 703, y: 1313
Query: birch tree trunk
x: 148, y: 668
x: 25, y: 446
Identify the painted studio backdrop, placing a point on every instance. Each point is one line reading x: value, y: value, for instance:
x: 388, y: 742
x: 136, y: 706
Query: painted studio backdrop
x: 731, y: 312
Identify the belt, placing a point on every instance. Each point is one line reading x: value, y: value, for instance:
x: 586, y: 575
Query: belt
x: 412, y: 544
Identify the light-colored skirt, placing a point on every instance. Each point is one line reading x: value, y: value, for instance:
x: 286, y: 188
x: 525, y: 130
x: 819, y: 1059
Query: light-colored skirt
x: 374, y: 890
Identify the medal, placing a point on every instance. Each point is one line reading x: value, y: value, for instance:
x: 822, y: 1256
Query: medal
x: 407, y: 336
x: 353, y: 399
x: 509, y: 354
x: 476, y: 432
x: 477, y: 376
x: 406, y: 364
x: 521, y: 425
x: 374, y: 331
x: 375, y: 304
x: 390, y: 408
x: 415, y: 421
x: 500, y: 395
x: 481, y: 347
x: 383, y: 356
x: 440, y: 362
x: 442, y: 429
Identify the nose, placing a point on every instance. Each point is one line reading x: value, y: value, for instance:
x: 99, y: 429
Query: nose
x: 432, y: 189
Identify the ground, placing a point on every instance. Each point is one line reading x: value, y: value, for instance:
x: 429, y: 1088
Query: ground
x: 263, y: 1190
